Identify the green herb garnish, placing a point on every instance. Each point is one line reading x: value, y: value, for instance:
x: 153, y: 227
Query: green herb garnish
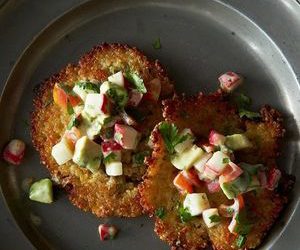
x: 243, y: 103
x: 160, y: 212
x: 240, y: 240
x: 184, y: 214
x: 110, y: 157
x: 118, y: 94
x: 230, y: 210
x: 156, y: 44
x: 136, y: 80
x: 225, y: 160
x: 215, y: 218
x: 139, y: 158
x: 74, y: 122
x: 70, y: 109
x: 89, y: 86
x: 171, y: 136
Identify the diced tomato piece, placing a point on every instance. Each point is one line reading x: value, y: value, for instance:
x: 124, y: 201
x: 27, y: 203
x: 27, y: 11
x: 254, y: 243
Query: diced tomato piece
x: 273, y: 178
x: 182, y: 183
x: 231, y: 172
x: 192, y: 177
x: 213, y: 186
x: 107, y: 232
x: 72, y: 136
x: 108, y: 146
x: 105, y: 105
x: 61, y: 97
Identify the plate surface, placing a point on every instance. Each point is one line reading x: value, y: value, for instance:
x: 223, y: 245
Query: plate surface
x: 200, y: 40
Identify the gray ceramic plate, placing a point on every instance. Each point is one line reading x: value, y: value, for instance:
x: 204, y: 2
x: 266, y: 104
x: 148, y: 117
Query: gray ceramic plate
x: 200, y: 39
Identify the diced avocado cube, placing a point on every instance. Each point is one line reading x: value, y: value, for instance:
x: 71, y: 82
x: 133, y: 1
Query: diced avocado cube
x: 41, y: 191
x: 186, y: 143
x: 237, y: 142
x: 87, y: 154
x: 94, y: 128
x: 117, y: 94
x: 187, y: 158
x: 230, y: 190
x: 61, y: 152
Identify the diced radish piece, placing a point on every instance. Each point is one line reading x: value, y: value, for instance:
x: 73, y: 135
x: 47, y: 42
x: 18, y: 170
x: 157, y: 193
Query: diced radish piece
x: 153, y: 90
x: 128, y: 119
x: 126, y: 136
x: 14, y: 152
x: 179, y: 148
x: 72, y: 136
x: 182, y: 184
x: 218, y: 162
x: 187, y: 158
x: 192, y: 176
x: 104, y: 87
x: 215, y: 138
x: 107, y: 232
x: 196, y: 203
x: 200, y: 164
x: 208, y: 174
x: 231, y: 172
x: 273, y: 178
x: 233, y: 225
x: 213, y: 186
x: 117, y: 78
x: 114, y: 168
x: 135, y: 98
x: 109, y: 146
x: 97, y: 104
x: 62, y: 152
x: 210, y: 217
x: 208, y: 147
x: 229, y: 211
x: 229, y: 81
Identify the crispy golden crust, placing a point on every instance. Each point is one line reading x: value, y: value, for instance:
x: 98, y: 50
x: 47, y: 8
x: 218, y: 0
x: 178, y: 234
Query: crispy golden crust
x: 98, y: 193
x: 203, y: 113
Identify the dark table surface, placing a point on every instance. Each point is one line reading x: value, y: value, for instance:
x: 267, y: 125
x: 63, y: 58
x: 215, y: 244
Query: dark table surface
x: 21, y: 20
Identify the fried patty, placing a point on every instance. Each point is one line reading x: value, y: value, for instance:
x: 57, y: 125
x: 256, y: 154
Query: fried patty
x: 98, y: 193
x: 201, y: 114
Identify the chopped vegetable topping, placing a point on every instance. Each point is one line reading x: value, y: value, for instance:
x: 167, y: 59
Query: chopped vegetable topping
x: 118, y: 94
x: 214, y: 218
x: 184, y: 214
x: 225, y: 160
x: 229, y: 81
x: 14, y: 152
x: 160, y: 212
x: 70, y: 109
x: 74, y: 122
x: 88, y: 86
x: 136, y: 80
x: 110, y: 157
x: 139, y: 158
x: 243, y: 103
x: 240, y: 240
x: 156, y: 44
x: 41, y: 191
x: 171, y: 136
x: 107, y: 232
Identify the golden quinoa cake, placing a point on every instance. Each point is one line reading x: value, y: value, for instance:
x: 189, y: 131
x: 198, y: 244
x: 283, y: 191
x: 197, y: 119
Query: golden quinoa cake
x: 100, y: 191
x: 161, y: 199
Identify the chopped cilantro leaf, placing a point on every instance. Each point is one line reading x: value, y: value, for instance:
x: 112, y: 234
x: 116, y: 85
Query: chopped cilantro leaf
x: 156, y: 44
x: 110, y: 157
x: 74, y: 122
x: 89, y: 86
x: 230, y: 210
x: 225, y: 160
x: 136, y: 80
x: 139, y: 158
x: 160, y: 212
x: 243, y: 103
x: 249, y: 114
x: 70, y: 109
x: 118, y: 94
x: 215, y: 218
x: 184, y: 214
x: 171, y: 136
x: 240, y: 240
